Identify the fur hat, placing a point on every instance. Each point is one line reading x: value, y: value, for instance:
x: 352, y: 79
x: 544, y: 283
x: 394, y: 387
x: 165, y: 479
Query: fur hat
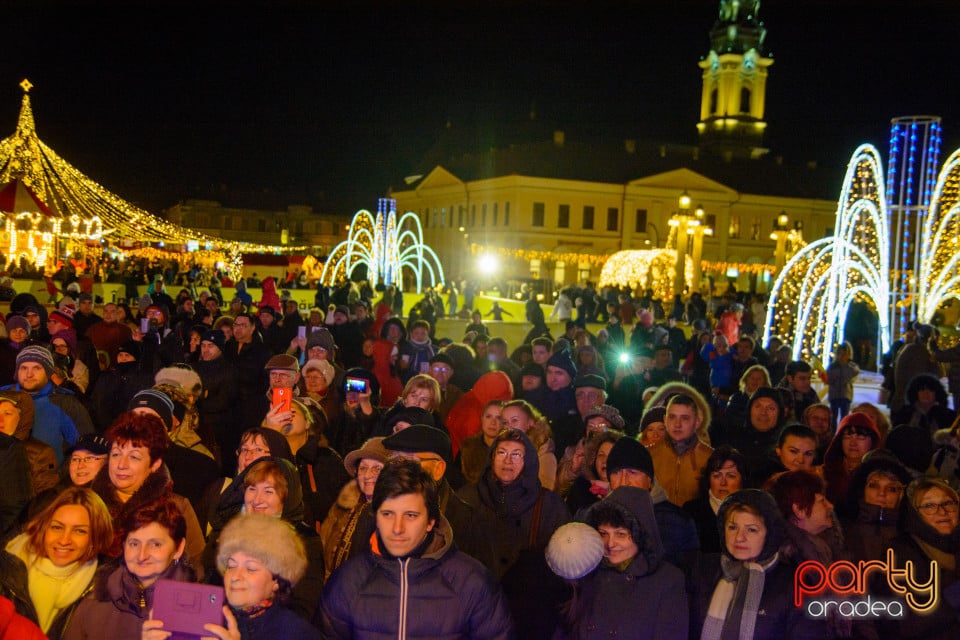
x: 372, y: 448
x: 270, y: 540
x: 323, y: 367
x: 575, y: 549
x: 627, y: 453
x: 187, y: 379
x: 40, y: 355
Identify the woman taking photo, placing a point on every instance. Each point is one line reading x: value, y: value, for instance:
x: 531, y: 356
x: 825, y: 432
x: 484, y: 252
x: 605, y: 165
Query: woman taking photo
x: 60, y: 548
x: 261, y: 559
x: 748, y: 577
x: 154, y: 538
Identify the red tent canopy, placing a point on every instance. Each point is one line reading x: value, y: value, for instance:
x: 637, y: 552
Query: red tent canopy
x: 16, y: 197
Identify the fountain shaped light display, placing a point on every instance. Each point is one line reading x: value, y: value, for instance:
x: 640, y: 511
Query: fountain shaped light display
x: 385, y: 245
x: 811, y: 296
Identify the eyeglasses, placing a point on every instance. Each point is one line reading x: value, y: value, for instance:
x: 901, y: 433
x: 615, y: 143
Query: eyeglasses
x: 932, y: 508
x: 257, y: 451
x: 503, y: 454
x: 86, y: 459
x: 373, y: 469
x: 597, y: 426
x: 439, y: 369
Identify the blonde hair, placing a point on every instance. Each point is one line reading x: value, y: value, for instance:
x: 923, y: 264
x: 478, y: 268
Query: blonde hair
x: 101, y: 524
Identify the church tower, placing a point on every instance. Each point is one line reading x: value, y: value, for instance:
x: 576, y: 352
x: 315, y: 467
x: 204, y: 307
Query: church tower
x: 734, y: 83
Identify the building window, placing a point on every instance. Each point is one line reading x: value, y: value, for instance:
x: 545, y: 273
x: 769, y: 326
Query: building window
x: 613, y: 219
x: 261, y: 225
x: 483, y: 216
x: 227, y: 223
x: 538, y: 214
x: 436, y: 215
x: 443, y: 216
x: 563, y: 216
x: 588, y: 217
x: 506, y: 214
x: 641, y: 225
x: 460, y: 216
x: 496, y: 205
x: 745, y: 100
x: 755, y: 229
x: 734, y: 228
x: 711, y: 221
x: 713, y: 100
x: 473, y: 215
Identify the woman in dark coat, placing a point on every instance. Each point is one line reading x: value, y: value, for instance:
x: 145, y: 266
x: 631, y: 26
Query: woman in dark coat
x: 930, y: 533
x: 724, y: 473
x: 271, y: 486
x: 926, y: 405
x: 872, y: 512
x: 633, y: 593
x: 748, y: 577
x: 516, y: 516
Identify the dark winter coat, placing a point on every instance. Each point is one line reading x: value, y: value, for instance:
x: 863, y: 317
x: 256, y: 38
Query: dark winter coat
x: 442, y: 595
x: 611, y: 602
x: 113, y: 610
x: 322, y: 474
x: 15, y: 480
x: 276, y: 622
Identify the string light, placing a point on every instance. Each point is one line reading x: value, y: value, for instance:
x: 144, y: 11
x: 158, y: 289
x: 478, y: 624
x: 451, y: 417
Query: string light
x: 84, y: 209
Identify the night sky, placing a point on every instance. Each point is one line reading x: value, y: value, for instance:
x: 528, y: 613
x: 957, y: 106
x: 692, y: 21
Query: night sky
x: 328, y: 103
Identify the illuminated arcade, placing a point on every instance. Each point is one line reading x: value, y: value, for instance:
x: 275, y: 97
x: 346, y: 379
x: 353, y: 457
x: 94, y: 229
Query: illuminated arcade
x: 385, y: 245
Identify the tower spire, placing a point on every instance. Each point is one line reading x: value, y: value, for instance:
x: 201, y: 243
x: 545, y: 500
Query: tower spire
x: 734, y: 82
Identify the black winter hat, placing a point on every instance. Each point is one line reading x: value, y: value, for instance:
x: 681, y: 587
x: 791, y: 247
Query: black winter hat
x: 627, y: 453
x: 421, y: 438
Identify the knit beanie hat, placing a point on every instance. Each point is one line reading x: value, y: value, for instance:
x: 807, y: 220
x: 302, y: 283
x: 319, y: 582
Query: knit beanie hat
x: 64, y: 316
x: 656, y: 414
x: 575, y: 549
x: 17, y: 322
x: 216, y: 337
x: 40, y: 355
x: 627, y: 453
x: 589, y: 380
x: 767, y: 392
x: 562, y: 360
x: 131, y: 347
x: 155, y: 400
x: 321, y: 338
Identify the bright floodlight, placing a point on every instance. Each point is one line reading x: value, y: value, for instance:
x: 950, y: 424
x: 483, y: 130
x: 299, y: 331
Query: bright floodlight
x: 488, y: 264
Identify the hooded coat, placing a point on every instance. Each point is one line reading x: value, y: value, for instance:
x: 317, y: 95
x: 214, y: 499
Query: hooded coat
x: 870, y: 529
x: 757, y: 446
x: 463, y: 420
x: 44, y: 472
x: 837, y: 478
x: 443, y: 594
x: 920, y: 543
x: 777, y: 617
x: 612, y: 600
x: 504, y: 524
x: 306, y: 593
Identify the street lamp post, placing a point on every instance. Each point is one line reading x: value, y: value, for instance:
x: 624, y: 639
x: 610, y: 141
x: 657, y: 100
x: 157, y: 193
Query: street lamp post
x: 680, y: 221
x: 699, y: 230
x: 780, y: 232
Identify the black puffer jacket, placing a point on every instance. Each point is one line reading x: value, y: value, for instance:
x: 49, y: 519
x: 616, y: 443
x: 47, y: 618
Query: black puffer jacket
x: 442, y: 595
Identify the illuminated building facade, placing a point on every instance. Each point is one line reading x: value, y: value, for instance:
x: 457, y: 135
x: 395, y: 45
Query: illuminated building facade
x: 557, y: 209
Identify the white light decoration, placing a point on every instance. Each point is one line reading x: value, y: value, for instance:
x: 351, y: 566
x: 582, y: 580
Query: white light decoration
x: 812, y: 294
x: 385, y: 245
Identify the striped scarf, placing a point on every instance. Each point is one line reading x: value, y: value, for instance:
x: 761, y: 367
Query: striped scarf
x: 738, y: 591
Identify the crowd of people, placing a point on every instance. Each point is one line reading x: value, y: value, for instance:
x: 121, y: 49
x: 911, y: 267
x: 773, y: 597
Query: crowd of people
x: 346, y: 472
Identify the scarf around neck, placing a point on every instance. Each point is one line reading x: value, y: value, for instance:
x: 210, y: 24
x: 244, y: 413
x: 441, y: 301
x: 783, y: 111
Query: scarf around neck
x: 736, y: 598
